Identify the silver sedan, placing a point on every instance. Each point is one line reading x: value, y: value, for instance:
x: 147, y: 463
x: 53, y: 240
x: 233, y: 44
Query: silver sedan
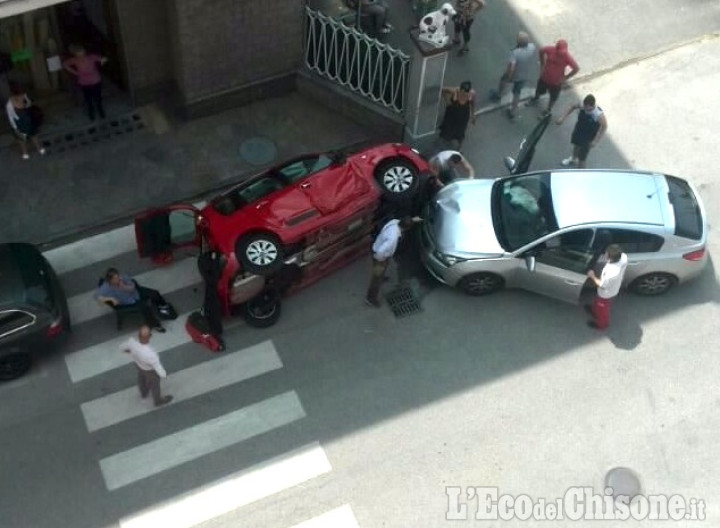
x: 543, y: 231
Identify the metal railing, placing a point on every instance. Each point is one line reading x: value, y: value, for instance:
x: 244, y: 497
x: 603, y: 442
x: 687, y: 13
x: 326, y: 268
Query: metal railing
x: 356, y: 61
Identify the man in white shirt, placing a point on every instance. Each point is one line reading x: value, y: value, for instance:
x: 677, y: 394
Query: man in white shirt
x: 383, y: 249
x: 608, y: 286
x: 449, y: 165
x: 149, y: 368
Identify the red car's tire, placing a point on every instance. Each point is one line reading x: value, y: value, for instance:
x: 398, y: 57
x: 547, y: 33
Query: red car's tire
x: 398, y: 178
x: 260, y: 253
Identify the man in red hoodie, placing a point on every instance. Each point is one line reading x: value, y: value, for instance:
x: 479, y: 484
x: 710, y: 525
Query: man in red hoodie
x: 554, y: 62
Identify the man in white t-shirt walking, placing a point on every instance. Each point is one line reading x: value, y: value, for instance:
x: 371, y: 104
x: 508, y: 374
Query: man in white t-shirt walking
x: 149, y: 368
x: 608, y: 286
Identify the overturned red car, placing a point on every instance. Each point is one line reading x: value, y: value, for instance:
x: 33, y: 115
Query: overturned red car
x: 296, y: 221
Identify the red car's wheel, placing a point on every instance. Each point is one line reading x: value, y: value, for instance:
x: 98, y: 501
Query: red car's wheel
x: 260, y: 253
x: 398, y: 178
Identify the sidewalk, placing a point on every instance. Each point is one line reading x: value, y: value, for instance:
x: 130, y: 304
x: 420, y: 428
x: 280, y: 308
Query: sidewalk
x: 145, y: 161
x: 139, y: 159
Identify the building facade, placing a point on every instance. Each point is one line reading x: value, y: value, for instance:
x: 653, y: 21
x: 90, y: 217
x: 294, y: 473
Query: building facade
x: 201, y: 54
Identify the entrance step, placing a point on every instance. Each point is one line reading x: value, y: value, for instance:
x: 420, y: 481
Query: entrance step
x: 94, y: 133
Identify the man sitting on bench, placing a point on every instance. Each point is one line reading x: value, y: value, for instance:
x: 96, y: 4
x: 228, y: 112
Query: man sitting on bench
x: 122, y: 291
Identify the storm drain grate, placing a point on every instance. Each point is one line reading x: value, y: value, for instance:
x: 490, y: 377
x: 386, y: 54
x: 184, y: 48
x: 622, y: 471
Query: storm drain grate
x: 402, y: 302
x: 94, y: 133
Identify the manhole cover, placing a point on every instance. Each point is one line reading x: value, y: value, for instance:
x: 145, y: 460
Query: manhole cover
x: 258, y: 151
x: 402, y: 302
x: 624, y: 482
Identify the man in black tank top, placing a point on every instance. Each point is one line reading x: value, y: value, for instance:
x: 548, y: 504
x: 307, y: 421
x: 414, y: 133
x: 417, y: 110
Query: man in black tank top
x: 590, y: 127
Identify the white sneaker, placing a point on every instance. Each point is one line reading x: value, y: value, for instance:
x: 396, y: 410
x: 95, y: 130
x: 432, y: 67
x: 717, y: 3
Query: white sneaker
x: 26, y: 156
x: 42, y: 151
x: 567, y: 162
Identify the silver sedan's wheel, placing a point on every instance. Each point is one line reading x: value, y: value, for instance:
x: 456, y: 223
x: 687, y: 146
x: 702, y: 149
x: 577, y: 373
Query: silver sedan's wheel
x: 398, y: 178
x: 653, y: 284
x: 481, y: 283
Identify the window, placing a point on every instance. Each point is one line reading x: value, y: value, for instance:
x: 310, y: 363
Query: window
x: 300, y: 169
x: 629, y: 240
x: 570, y: 251
x: 259, y: 189
x: 522, y: 210
x: 12, y: 321
x: 688, y: 220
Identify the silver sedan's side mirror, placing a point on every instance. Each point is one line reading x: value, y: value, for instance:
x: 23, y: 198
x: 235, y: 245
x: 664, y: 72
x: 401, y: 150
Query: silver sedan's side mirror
x: 530, y: 263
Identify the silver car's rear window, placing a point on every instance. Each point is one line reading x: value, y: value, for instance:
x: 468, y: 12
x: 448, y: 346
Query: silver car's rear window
x: 688, y: 218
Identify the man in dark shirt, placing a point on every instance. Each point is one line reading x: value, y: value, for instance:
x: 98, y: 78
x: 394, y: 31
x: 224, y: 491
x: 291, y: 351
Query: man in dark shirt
x: 121, y: 290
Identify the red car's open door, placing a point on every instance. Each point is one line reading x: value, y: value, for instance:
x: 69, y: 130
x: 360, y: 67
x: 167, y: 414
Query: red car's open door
x: 161, y: 231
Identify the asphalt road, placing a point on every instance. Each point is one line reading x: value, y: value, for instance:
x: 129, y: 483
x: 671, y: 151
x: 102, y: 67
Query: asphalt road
x: 511, y: 391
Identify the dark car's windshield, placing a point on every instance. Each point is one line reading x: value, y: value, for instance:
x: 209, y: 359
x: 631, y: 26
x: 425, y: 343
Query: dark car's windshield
x: 522, y: 210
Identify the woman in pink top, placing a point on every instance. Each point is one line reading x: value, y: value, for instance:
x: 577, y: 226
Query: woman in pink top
x: 85, y: 68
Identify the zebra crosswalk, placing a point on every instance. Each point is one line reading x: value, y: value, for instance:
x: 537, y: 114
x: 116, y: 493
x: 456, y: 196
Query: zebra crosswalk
x: 194, y: 439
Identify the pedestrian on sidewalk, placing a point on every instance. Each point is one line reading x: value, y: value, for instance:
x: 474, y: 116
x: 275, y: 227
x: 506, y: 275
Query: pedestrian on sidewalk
x: 466, y: 10
x: 519, y: 67
x: 608, y: 286
x: 378, y: 12
x: 554, y: 61
x: 383, y: 249
x: 589, y: 129
x: 85, y: 68
x: 459, y: 110
x: 147, y: 363
x: 450, y: 165
x: 24, y: 119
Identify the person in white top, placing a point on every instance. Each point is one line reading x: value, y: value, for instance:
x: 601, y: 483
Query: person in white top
x: 384, y: 248
x: 449, y: 165
x: 608, y: 286
x: 149, y: 368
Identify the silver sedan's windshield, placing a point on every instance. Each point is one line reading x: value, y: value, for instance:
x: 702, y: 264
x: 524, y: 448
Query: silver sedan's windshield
x: 522, y: 210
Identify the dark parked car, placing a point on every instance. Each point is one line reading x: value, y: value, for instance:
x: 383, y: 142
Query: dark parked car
x: 33, y: 308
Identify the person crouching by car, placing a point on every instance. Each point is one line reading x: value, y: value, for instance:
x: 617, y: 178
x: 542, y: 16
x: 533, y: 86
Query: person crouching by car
x: 24, y: 119
x: 122, y: 290
x: 608, y: 286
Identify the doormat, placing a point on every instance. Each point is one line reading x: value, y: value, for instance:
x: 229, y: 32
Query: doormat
x: 94, y: 133
x: 402, y: 302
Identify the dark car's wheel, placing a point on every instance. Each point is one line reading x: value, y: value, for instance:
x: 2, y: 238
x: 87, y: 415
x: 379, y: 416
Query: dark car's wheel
x: 263, y: 310
x: 397, y: 178
x: 260, y: 253
x: 653, y: 284
x: 481, y: 283
x: 13, y: 366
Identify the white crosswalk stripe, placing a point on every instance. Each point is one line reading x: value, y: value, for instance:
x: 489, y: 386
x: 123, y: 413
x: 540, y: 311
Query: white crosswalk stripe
x: 106, y: 356
x: 236, y: 491
x: 172, y: 450
x: 199, y: 438
x: 185, y: 384
x: 104, y: 246
x: 341, y: 517
x: 97, y: 248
